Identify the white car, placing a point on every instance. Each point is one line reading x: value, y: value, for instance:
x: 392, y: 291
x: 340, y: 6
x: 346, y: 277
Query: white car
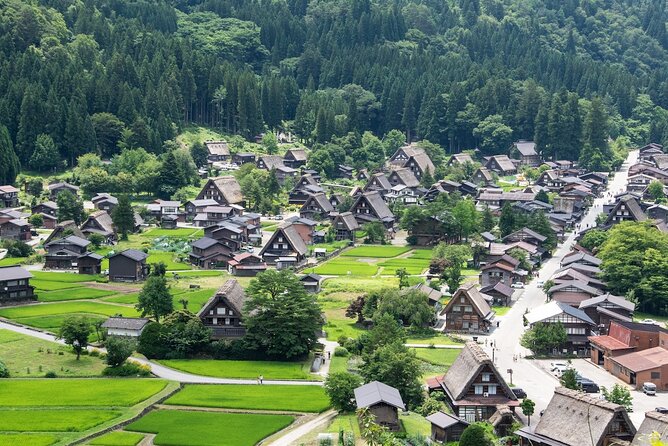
x: 519, y: 285
x: 559, y: 370
x: 540, y: 283
x: 649, y: 321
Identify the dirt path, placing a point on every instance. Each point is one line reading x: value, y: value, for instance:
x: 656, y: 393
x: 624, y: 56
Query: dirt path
x: 295, y: 432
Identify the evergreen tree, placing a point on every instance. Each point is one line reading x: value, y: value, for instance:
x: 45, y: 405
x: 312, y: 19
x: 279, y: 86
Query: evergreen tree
x: 123, y: 217
x: 45, y: 156
x: 69, y: 207
x: 30, y: 123
x: 199, y: 154
x: 168, y: 177
x: 507, y: 220
x: 488, y: 221
x: 9, y: 162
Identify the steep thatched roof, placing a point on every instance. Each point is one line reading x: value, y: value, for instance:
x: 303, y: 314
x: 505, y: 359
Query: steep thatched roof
x: 653, y: 422
x: 231, y: 293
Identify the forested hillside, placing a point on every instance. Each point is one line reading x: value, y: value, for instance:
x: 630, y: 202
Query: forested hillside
x: 79, y: 76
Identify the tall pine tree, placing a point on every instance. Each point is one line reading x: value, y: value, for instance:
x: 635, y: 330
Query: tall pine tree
x: 9, y: 162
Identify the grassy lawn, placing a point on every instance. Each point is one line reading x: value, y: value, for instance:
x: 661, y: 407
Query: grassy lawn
x: 26, y: 356
x: 67, y: 308
x: 269, y: 397
x: 436, y: 339
x: 339, y: 325
x: 118, y: 438
x: 178, y: 232
x: 195, y: 298
x: 184, y: 428
x: 423, y: 254
x: 77, y: 392
x: 360, y: 284
x: 338, y: 364
x: 202, y: 273
x: 130, y: 298
x: 241, y: 369
x: 65, y: 277
x: 501, y: 311
x: 168, y: 258
x: 346, y: 423
x: 379, y: 251
x: 28, y: 439
x: 10, y: 261
x: 415, y: 424
x: 54, y: 420
x: 342, y: 266
x: 438, y: 356
x: 49, y: 285
x: 412, y: 266
x: 73, y: 294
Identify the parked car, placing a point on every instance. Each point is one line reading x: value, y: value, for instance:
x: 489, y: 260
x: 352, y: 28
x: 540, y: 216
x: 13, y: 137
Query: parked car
x: 554, y: 365
x: 663, y: 410
x: 540, y: 283
x: 278, y: 217
x: 649, y: 388
x: 519, y: 392
x: 649, y: 321
x: 588, y: 385
x: 517, y: 285
x: 559, y: 370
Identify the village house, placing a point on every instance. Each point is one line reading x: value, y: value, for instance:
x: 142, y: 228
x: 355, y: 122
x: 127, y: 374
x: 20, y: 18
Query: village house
x: 501, y: 293
x: 243, y: 158
x: 49, y: 212
x: 306, y: 187
x: 63, y: 229
x: 378, y: 183
x: 501, y: 164
x: 209, y: 253
x: 194, y: 207
x: 459, y: 159
x: 16, y: 229
x: 572, y: 416
x: 159, y: 209
x: 125, y: 327
x: 224, y: 190
x: 15, y: 285
x: 105, y: 202
x: 606, y: 308
x: 578, y: 325
x: 316, y: 207
x: 222, y: 313
x: 56, y: 188
x: 526, y: 152
x: 572, y: 292
x: 467, y: 311
x: 217, y: 151
x: 305, y: 227
x: 128, y: 266
x: 275, y: 163
x: 502, y: 269
x: 446, y: 428
x: 483, y: 177
x: 284, y: 243
x: 654, y: 425
x: 65, y: 252
x: 100, y: 222
x: 295, y: 158
x: 9, y: 196
x: 90, y: 263
x: 401, y: 156
x: 496, y: 198
x: 627, y: 208
x: 433, y: 296
x: 246, y: 264
x: 345, y: 226
x: 370, y: 207
x: 211, y: 215
x: 648, y: 151
x: 421, y: 165
x: 587, y: 270
x: 382, y: 401
x: 551, y: 180
x: 403, y: 176
x: 312, y: 282
x: 474, y: 389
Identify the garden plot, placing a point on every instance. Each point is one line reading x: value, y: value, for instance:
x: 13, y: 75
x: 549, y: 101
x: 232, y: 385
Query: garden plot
x: 413, y: 266
x: 118, y: 438
x: 242, y: 369
x: 345, y: 266
x: 380, y: 252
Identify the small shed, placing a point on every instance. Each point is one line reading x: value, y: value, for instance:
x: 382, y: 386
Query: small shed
x: 312, y: 282
x: 383, y: 402
x: 446, y: 428
x: 128, y: 327
x: 169, y: 221
x: 286, y: 262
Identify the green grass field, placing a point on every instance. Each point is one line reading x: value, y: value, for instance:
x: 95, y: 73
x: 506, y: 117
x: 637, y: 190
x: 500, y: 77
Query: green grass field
x: 168, y: 258
x: 64, y: 277
x: 501, y: 311
x: 241, y: 369
x: 77, y: 392
x: 423, y: 254
x: 130, y: 298
x: 26, y: 356
x: 342, y: 266
x: 412, y: 266
x: 269, y: 397
x: 53, y: 420
x: 73, y: 294
x: 360, y: 284
x: 67, y: 308
x: 48, y: 285
x: 436, y: 339
x: 28, y: 439
x: 11, y: 261
x: 177, y: 233
x: 438, y: 356
x: 189, y: 428
x: 381, y: 252
x: 118, y: 438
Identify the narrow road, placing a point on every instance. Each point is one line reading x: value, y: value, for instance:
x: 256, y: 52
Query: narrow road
x: 295, y: 434
x: 538, y: 384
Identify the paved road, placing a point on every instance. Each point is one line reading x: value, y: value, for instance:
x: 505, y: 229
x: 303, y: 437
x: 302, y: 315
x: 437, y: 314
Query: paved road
x: 291, y: 436
x: 535, y: 380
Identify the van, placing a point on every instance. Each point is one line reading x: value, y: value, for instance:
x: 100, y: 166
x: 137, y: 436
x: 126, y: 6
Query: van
x: 649, y: 388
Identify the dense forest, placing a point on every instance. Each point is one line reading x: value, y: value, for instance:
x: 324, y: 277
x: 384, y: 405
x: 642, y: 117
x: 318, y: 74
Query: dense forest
x: 81, y: 76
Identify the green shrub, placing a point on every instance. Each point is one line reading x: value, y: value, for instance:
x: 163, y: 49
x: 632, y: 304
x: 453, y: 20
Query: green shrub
x: 4, y: 371
x: 118, y: 350
x: 128, y: 369
x: 50, y: 374
x: 340, y: 351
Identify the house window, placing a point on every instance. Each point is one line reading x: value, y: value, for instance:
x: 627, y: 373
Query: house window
x: 468, y: 309
x: 486, y: 377
x: 491, y: 390
x: 655, y: 375
x: 479, y: 390
x: 220, y: 310
x: 462, y: 300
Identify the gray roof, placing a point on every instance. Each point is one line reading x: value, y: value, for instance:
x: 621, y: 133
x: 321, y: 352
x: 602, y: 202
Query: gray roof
x: 500, y: 288
x: 607, y: 297
x: 504, y: 163
x: 444, y: 420
x: 467, y: 367
x: 376, y: 392
x: 321, y: 200
x: 581, y: 267
x: 583, y: 287
x: 432, y: 294
x: 272, y: 161
x: 291, y: 235
x: 376, y: 203
x: 14, y: 273
x: 423, y: 161
x: 231, y: 292
x: 526, y: 148
x: 204, y: 243
x: 477, y: 300
x: 71, y: 239
x: 529, y: 232
x: 102, y: 218
x: 460, y: 158
x: 296, y: 154
x: 127, y: 323
x: 653, y: 422
x: 217, y: 148
x: 577, y: 256
x: 381, y: 179
x: 577, y: 419
x: 406, y: 177
x: 133, y: 254
x: 92, y: 255
x: 555, y: 308
x: 229, y: 188
x: 62, y: 184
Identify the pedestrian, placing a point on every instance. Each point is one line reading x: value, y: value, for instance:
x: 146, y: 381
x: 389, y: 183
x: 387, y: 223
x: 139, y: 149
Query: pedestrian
x: 329, y: 355
x: 485, y: 342
x: 497, y: 324
x: 261, y: 379
x: 258, y: 379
